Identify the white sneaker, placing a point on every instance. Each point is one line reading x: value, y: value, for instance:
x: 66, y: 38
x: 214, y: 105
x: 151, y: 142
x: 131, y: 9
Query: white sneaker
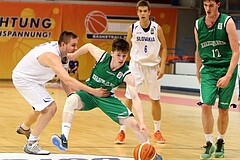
x: 32, y: 147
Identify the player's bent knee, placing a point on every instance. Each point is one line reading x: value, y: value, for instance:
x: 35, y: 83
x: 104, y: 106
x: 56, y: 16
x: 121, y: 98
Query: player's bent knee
x: 71, y: 103
x: 52, y: 109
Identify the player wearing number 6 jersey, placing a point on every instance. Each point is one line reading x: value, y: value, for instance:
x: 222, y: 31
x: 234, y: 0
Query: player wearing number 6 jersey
x: 216, y: 61
x: 148, y: 44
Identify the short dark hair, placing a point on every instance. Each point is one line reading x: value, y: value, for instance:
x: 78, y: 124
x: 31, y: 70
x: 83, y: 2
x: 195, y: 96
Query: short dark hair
x: 217, y: 1
x: 143, y: 3
x: 66, y: 36
x: 120, y: 44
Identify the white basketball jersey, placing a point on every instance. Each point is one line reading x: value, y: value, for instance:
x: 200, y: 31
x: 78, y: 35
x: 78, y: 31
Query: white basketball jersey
x: 145, y: 45
x: 30, y: 69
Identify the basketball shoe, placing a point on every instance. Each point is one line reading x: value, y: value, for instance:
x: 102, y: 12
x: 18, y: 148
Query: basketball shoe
x: 32, y: 147
x: 20, y: 130
x: 120, y: 137
x: 60, y: 142
x: 219, y: 152
x: 158, y: 137
x: 208, y: 152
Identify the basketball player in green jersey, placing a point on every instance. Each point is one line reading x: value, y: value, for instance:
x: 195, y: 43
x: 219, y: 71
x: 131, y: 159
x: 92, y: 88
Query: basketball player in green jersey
x: 216, y: 63
x: 109, y: 72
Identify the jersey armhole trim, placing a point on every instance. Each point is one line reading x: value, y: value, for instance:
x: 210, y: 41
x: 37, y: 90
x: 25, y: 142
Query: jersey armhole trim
x: 102, y: 57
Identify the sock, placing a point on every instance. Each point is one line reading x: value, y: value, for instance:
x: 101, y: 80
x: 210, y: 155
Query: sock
x: 209, y: 137
x: 33, y: 138
x: 156, y: 126
x: 220, y: 136
x: 66, y: 129
x: 24, y: 127
x: 123, y: 127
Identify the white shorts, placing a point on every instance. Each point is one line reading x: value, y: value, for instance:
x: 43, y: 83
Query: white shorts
x: 35, y: 94
x: 235, y: 95
x: 146, y: 80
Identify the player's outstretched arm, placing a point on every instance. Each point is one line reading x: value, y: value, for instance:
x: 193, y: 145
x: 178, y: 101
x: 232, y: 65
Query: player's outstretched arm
x: 95, y: 51
x: 137, y: 104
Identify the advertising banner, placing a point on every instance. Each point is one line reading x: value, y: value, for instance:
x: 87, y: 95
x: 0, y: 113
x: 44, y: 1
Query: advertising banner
x: 24, y: 25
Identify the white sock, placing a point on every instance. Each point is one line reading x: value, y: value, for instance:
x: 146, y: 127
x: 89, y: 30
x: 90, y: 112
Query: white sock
x: 66, y: 129
x: 220, y: 136
x: 209, y: 137
x: 33, y: 138
x: 156, y: 126
x: 123, y: 127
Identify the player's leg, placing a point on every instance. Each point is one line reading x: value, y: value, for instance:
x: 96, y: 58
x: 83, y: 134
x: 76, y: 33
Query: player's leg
x: 134, y: 126
x: 44, y: 118
x: 44, y: 108
x: 208, y: 85
x: 72, y: 103
x: 156, y: 114
x: 208, y: 123
x: 136, y: 72
x: 25, y: 127
x: 121, y: 134
x: 225, y: 98
x: 154, y: 88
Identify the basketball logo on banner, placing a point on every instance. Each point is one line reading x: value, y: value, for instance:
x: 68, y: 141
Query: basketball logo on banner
x: 96, y: 22
x: 101, y: 26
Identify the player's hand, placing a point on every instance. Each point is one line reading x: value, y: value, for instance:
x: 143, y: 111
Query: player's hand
x: 160, y: 73
x: 223, y: 82
x: 100, y: 92
x: 143, y: 128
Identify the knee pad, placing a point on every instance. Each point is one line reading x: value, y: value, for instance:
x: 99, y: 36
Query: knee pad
x: 71, y: 103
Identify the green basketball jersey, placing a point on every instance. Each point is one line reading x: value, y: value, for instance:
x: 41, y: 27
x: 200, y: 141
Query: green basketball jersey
x: 102, y: 75
x: 213, y: 46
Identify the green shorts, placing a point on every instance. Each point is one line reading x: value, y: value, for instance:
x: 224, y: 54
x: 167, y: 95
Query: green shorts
x: 111, y: 106
x: 209, y: 91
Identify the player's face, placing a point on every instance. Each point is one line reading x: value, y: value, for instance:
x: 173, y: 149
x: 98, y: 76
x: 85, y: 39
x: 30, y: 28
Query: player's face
x: 119, y: 58
x: 70, y: 47
x: 143, y: 13
x: 211, y: 8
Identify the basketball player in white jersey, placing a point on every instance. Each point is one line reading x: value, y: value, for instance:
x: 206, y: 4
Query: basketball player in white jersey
x: 147, y: 43
x: 235, y: 97
x: 37, y: 67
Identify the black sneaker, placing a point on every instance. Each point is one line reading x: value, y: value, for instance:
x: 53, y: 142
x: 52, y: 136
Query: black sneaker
x: 219, y: 152
x: 20, y: 130
x: 60, y: 142
x: 209, y: 149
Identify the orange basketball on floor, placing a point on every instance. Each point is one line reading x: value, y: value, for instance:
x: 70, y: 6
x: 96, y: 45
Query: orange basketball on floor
x: 144, y: 151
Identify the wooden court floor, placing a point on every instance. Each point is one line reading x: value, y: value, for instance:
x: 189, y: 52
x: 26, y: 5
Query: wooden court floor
x: 93, y: 133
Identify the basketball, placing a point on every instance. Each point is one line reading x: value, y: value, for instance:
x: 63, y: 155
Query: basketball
x: 144, y: 151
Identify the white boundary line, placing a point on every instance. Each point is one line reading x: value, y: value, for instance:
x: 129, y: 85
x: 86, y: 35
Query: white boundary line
x: 23, y: 156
